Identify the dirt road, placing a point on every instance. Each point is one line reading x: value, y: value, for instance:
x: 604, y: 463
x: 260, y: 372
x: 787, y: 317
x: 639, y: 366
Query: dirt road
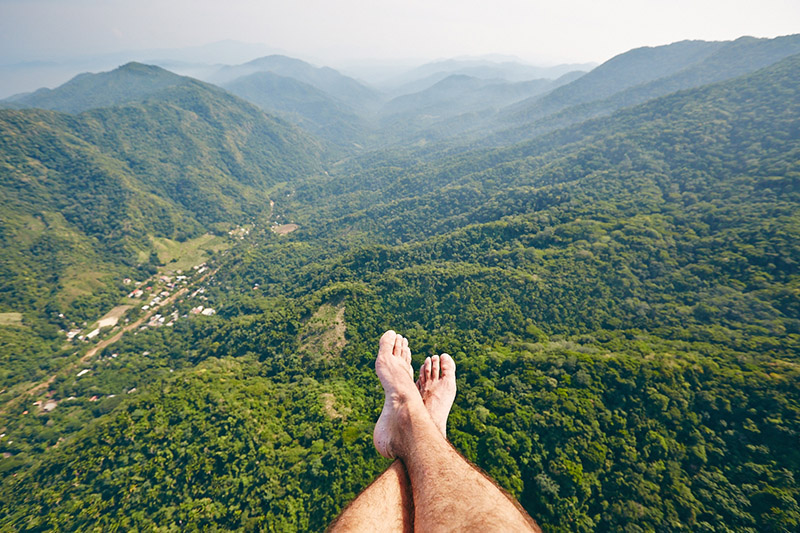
x: 43, y: 385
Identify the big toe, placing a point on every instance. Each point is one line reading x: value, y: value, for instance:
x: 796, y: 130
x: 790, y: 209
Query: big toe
x: 387, y: 341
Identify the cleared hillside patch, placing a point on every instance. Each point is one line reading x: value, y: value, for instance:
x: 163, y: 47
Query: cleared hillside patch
x: 284, y: 229
x: 323, y: 333
x: 184, y: 255
x: 81, y: 283
x: 10, y: 319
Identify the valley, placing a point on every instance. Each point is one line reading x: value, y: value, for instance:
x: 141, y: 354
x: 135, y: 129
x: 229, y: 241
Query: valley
x: 610, y: 255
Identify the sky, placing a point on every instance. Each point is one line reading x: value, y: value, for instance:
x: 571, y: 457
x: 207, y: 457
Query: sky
x: 331, y: 31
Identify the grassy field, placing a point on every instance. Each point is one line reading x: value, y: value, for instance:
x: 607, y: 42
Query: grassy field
x: 80, y: 281
x: 284, y: 229
x: 10, y: 319
x: 184, y: 255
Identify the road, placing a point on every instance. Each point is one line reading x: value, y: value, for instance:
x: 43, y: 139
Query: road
x: 105, y: 343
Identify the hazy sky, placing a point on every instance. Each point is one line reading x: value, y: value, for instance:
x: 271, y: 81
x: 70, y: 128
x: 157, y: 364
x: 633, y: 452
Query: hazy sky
x: 543, y: 32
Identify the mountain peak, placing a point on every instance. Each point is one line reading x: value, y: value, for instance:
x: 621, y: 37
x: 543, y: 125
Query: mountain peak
x: 127, y: 83
x: 136, y: 67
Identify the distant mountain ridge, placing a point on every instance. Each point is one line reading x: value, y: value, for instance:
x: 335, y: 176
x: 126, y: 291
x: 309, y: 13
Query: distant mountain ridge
x: 636, y: 76
x: 308, y: 106
x: 429, y: 74
x: 460, y: 94
x: 325, y: 79
x: 129, y: 83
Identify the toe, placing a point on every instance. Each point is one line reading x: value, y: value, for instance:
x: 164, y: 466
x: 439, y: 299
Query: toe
x: 398, y: 346
x: 425, y: 371
x: 435, y: 367
x: 387, y: 340
x: 406, y: 351
x: 448, y: 366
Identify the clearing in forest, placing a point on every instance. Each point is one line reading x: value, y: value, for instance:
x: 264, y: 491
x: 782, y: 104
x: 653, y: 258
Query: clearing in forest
x: 323, y: 333
x: 10, y: 319
x: 284, y: 229
x: 112, y: 317
x: 329, y: 404
x: 184, y: 255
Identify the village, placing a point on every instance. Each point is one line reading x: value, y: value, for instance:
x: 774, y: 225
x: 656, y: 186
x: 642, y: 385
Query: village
x: 158, y: 301
x: 152, y: 306
x: 150, y: 303
x: 146, y: 296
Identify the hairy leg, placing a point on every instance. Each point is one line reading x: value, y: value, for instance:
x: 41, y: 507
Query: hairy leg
x: 449, y: 493
x: 385, y: 505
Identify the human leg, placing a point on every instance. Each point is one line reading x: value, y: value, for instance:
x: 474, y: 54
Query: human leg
x: 449, y: 493
x: 386, y: 504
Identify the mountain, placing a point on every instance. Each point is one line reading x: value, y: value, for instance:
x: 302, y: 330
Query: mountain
x: 476, y: 176
x: 625, y: 80
x: 175, y: 136
x: 621, y: 72
x: 20, y: 74
x: 464, y: 93
x: 309, y: 107
x: 425, y: 76
x: 458, y: 99
x: 325, y: 79
x: 642, y: 74
x: 128, y: 83
x: 85, y: 195
x: 620, y: 296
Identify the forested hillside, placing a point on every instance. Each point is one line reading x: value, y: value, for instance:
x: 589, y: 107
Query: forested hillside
x: 646, y: 73
x: 620, y: 296
x: 129, y: 83
x: 85, y: 195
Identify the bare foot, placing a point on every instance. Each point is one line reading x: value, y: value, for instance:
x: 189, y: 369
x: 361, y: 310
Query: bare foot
x: 437, y: 386
x: 393, y: 366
